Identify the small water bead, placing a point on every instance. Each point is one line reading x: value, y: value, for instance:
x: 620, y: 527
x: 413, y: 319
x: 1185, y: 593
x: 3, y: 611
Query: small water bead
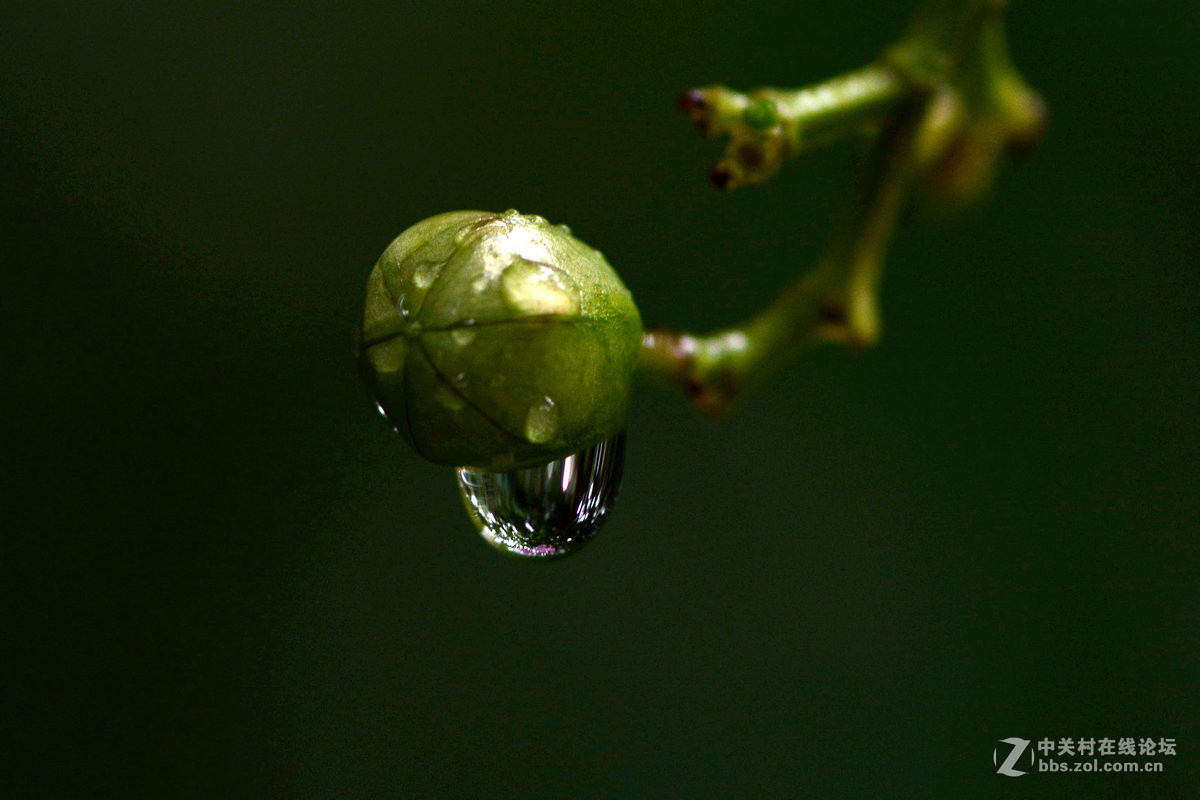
x: 404, y: 306
x: 541, y: 423
x: 548, y: 511
x: 383, y: 413
x: 425, y: 273
x: 530, y: 287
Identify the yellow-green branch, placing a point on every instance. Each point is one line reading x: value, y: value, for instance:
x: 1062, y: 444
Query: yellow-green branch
x: 945, y: 101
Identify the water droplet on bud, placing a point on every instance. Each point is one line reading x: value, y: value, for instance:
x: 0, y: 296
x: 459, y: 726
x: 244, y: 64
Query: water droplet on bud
x: 541, y: 423
x: 403, y: 306
x: 548, y: 511
x: 530, y: 287
x: 425, y: 273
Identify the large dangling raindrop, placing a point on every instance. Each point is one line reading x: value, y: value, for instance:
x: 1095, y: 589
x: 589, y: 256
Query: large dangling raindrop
x: 548, y: 511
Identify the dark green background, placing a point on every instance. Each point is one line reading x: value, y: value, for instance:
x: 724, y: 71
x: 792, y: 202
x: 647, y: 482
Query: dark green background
x: 228, y: 578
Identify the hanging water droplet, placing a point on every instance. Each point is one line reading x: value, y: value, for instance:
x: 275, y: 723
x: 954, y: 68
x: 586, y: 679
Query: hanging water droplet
x: 548, y: 511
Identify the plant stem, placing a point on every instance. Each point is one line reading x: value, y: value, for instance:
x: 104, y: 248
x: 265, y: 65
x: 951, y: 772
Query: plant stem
x: 840, y: 105
x: 835, y: 301
x: 768, y: 125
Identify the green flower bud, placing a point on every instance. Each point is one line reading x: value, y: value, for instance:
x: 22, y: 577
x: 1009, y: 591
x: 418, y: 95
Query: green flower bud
x: 498, y: 341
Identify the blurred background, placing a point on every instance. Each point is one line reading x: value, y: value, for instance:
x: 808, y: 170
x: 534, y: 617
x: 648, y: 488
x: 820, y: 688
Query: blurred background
x: 227, y: 577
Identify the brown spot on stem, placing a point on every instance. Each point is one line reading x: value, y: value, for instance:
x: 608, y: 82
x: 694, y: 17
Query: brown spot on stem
x: 832, y: 313
x: 720, y: 176
x: 750, y: 155
x: 692, y: 100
